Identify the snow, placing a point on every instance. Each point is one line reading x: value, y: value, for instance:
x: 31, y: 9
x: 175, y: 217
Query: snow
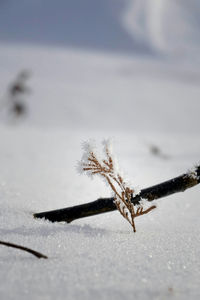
x: 98, y: 256
x: 143, y: 103
x: 148, y: 22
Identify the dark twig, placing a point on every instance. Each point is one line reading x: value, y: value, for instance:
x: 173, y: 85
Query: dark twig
x: 35, y: 253
x: 103, y: 205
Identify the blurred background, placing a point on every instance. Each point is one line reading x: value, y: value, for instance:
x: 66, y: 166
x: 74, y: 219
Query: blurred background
x: 111, y: 64
x: 132, y: 26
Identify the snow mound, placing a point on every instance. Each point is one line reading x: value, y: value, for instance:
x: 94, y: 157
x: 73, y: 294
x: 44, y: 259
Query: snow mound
x: 167, y: 26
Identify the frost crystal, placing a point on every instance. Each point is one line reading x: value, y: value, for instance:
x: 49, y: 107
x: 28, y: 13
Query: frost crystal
x: 193, y: 173
x: 107, y: 168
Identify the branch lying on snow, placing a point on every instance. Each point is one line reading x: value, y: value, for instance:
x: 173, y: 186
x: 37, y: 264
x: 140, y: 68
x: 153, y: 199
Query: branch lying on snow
x: 103, y: 205
x: 35, y: 253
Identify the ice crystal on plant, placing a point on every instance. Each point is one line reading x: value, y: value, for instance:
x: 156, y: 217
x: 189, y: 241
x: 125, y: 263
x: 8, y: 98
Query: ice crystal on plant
x: 193, y: 173
x: 107, y: 168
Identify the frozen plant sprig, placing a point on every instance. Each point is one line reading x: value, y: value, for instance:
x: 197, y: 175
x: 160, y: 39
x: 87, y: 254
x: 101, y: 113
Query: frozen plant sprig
x: 106, y: 168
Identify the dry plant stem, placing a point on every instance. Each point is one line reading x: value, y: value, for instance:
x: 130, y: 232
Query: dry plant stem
x: 103, y: 205
x: 123, y: 193
x: 35, y: 253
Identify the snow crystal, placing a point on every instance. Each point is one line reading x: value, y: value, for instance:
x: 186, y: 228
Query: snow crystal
x: 145, y: 204
x: 193, y: 173
x: 98, y: 257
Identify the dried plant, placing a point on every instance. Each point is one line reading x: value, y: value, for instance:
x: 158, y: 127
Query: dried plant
x: 13, y: 102
x: 123, y: 194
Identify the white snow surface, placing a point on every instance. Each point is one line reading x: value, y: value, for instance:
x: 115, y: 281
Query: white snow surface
x: 79, y: 95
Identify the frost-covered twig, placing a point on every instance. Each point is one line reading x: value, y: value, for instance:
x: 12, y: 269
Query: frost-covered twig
x: 35, y: 253
x: 103, y: 205
x: 107, y: 169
